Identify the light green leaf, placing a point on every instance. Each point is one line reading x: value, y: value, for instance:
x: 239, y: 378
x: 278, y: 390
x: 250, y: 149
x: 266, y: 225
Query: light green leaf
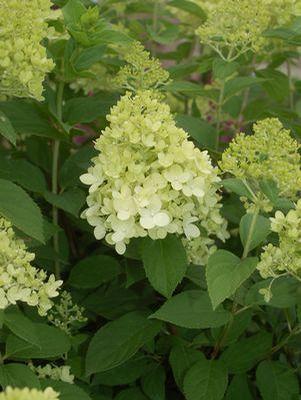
x: 192, y: 309
x: 239, y: 83
x: 6, y: 129
x: 93, y: 271
x: 206, y: 380
x: 237, y: 186
x: 88, y: 57
x: 18, y: 375
x: 165, y: 263
x: 189, y: 7
x: 225, y: 273
x: 118, y: 341
x: 21, y: 210
x: 260, y: 230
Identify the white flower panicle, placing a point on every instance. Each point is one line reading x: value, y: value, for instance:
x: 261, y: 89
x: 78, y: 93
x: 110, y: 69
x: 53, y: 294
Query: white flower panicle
x: 28, y: 394
x: 149, y: 179
x: 19, y: 280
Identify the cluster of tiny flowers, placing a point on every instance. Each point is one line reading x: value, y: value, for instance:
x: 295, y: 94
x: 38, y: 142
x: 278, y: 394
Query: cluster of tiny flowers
x: 282, y: 12
x: 53, y: 372
x: 149, y: 179
x: 142, y: 71
x: 235, y: 27
x: 23, y: 60
x: 270, y: 153
x: 28, y: 394
x: 65, y: 314
x: 199, y: 249
x: 19, y: 280
x: 286, y: 256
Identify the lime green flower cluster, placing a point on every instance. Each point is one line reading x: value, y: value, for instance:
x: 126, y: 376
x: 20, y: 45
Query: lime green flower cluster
x: 149, y: 179
x: 271, y: 153
x: 282, y: 12
x: 54, y: 372
x: 65, y: 314
x: 285, y: 258
x: 198, y: 250
x: 19, y: 280
x: 23, y: 60
x: 28, y: 394
x: 235, y: 27
x: 142, y: 71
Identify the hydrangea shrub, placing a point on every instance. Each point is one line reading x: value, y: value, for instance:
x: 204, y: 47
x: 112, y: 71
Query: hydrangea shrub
x: 150, y: 211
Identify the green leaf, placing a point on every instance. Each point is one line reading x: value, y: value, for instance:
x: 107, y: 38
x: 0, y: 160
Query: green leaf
x: 93, y: 271
x: 21, y: 210
x: 87, y: 109
x: 75, y: 165
x: 181, y: 359
x: 153, y: 383
x: 189, y: 7
x: 71, y: 201
x: 73, y: 11
x: 260, y: 230
x: 67, y: 391
x: 18, y: 375
x: 206, y: 380
x: 276, y: 381
x: 53, y: 343
x: 238, y: 386
x: 237, y: 186
x: 223, y: 69
x: 21, y: 326
x: 130, y: 394
x: 28, y: 119
x: 276, y: 83
x: 201, y: 131
x: 240, y: 83
x: 6, y: 129
x: 244, y: 354
x: 88, y: 57
x: 126, y: 373
x: 165, y: 263
x: 225, y: 273
x: 23, y: 173
x: 192, y: 309
x: 187, y: 88
x: 285, y: 293
x: 118, y: 341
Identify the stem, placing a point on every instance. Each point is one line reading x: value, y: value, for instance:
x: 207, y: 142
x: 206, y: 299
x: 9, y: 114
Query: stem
x: 218, y: 114
x: 291, y: 86
x: 250, y: 233
x: 55, y: 163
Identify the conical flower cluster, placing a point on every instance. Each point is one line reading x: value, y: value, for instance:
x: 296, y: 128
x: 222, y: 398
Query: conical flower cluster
x: 19, y: 280
x: 149, y: 179
x: 271, y: 153
x: 28, y: 394
x: 23, y: 59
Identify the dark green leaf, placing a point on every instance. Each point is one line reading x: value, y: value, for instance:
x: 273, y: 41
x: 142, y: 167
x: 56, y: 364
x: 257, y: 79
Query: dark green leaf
x: 201, y: 131
x: 153, y: 383
x: 192, y: 309
x: 66, y: 390
x: 18, y: 375
x: 6, y: 129
x: 119, y: 340
x: 206, y: 380
x: 94, y: 271
x: 71, y: 201
x: 21, y: 210
x: 260, y: 230
x: 21, y: 326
